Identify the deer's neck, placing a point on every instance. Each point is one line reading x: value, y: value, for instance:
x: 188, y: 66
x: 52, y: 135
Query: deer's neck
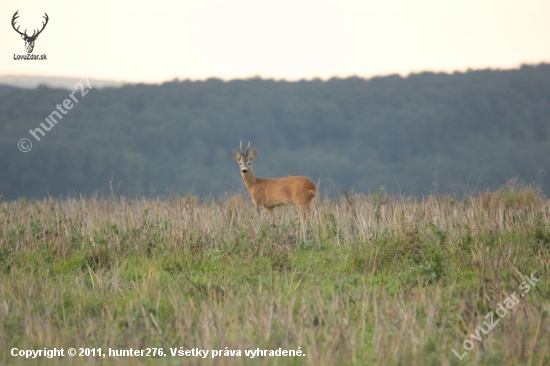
x: 249, y: 179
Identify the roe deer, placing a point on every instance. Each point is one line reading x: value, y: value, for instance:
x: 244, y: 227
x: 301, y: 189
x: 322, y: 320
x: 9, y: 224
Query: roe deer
x: 273, y: 192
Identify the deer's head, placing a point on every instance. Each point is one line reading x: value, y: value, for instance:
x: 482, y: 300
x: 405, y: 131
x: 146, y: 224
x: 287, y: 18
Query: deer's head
x: 244, y: 158
x: 29, y: 40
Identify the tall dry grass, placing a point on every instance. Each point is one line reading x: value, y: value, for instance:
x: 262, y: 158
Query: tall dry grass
x: 383, y: 280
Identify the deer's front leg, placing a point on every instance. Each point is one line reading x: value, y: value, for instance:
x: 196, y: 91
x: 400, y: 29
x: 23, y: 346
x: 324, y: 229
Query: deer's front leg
x: 270, y: 212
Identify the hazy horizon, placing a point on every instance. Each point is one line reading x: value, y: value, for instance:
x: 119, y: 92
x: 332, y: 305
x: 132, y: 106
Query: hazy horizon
x: 121, y: 82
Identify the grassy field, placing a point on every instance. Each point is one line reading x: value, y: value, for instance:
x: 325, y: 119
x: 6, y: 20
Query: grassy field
x: 383, y: 280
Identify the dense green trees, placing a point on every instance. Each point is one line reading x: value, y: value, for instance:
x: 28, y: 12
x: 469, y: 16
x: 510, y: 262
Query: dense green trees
x: 466, y: 130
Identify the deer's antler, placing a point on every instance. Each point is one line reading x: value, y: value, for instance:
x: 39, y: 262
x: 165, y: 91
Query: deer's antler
x: 35, y: 32
x: 241, y: 148
x: 43, y: 26
x: 15, y: 16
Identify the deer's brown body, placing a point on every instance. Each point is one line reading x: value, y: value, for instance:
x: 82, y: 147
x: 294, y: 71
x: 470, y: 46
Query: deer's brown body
x: 273, y: 192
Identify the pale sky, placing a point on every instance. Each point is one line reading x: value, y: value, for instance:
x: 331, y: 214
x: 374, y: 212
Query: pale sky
x: 154, y: 41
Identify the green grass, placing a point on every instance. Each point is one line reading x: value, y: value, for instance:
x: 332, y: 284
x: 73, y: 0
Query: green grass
x: 382, y: 280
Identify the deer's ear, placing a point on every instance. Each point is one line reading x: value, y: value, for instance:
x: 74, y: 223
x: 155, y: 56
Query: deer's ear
x: 236, y: 155
x: 23, y: 36
x: 252, y: 154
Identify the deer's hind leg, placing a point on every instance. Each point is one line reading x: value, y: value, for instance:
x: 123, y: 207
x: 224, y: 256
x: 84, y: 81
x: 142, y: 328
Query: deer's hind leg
x: 305, y: 209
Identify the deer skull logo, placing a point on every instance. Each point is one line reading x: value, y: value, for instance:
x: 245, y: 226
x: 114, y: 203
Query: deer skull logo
x: 29, y: 40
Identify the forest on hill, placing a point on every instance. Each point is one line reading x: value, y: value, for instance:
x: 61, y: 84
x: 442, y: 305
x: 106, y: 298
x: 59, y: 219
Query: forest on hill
x: 427, y: 132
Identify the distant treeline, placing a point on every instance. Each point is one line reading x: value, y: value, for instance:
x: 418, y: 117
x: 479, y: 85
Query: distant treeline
x: 445, y: 132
